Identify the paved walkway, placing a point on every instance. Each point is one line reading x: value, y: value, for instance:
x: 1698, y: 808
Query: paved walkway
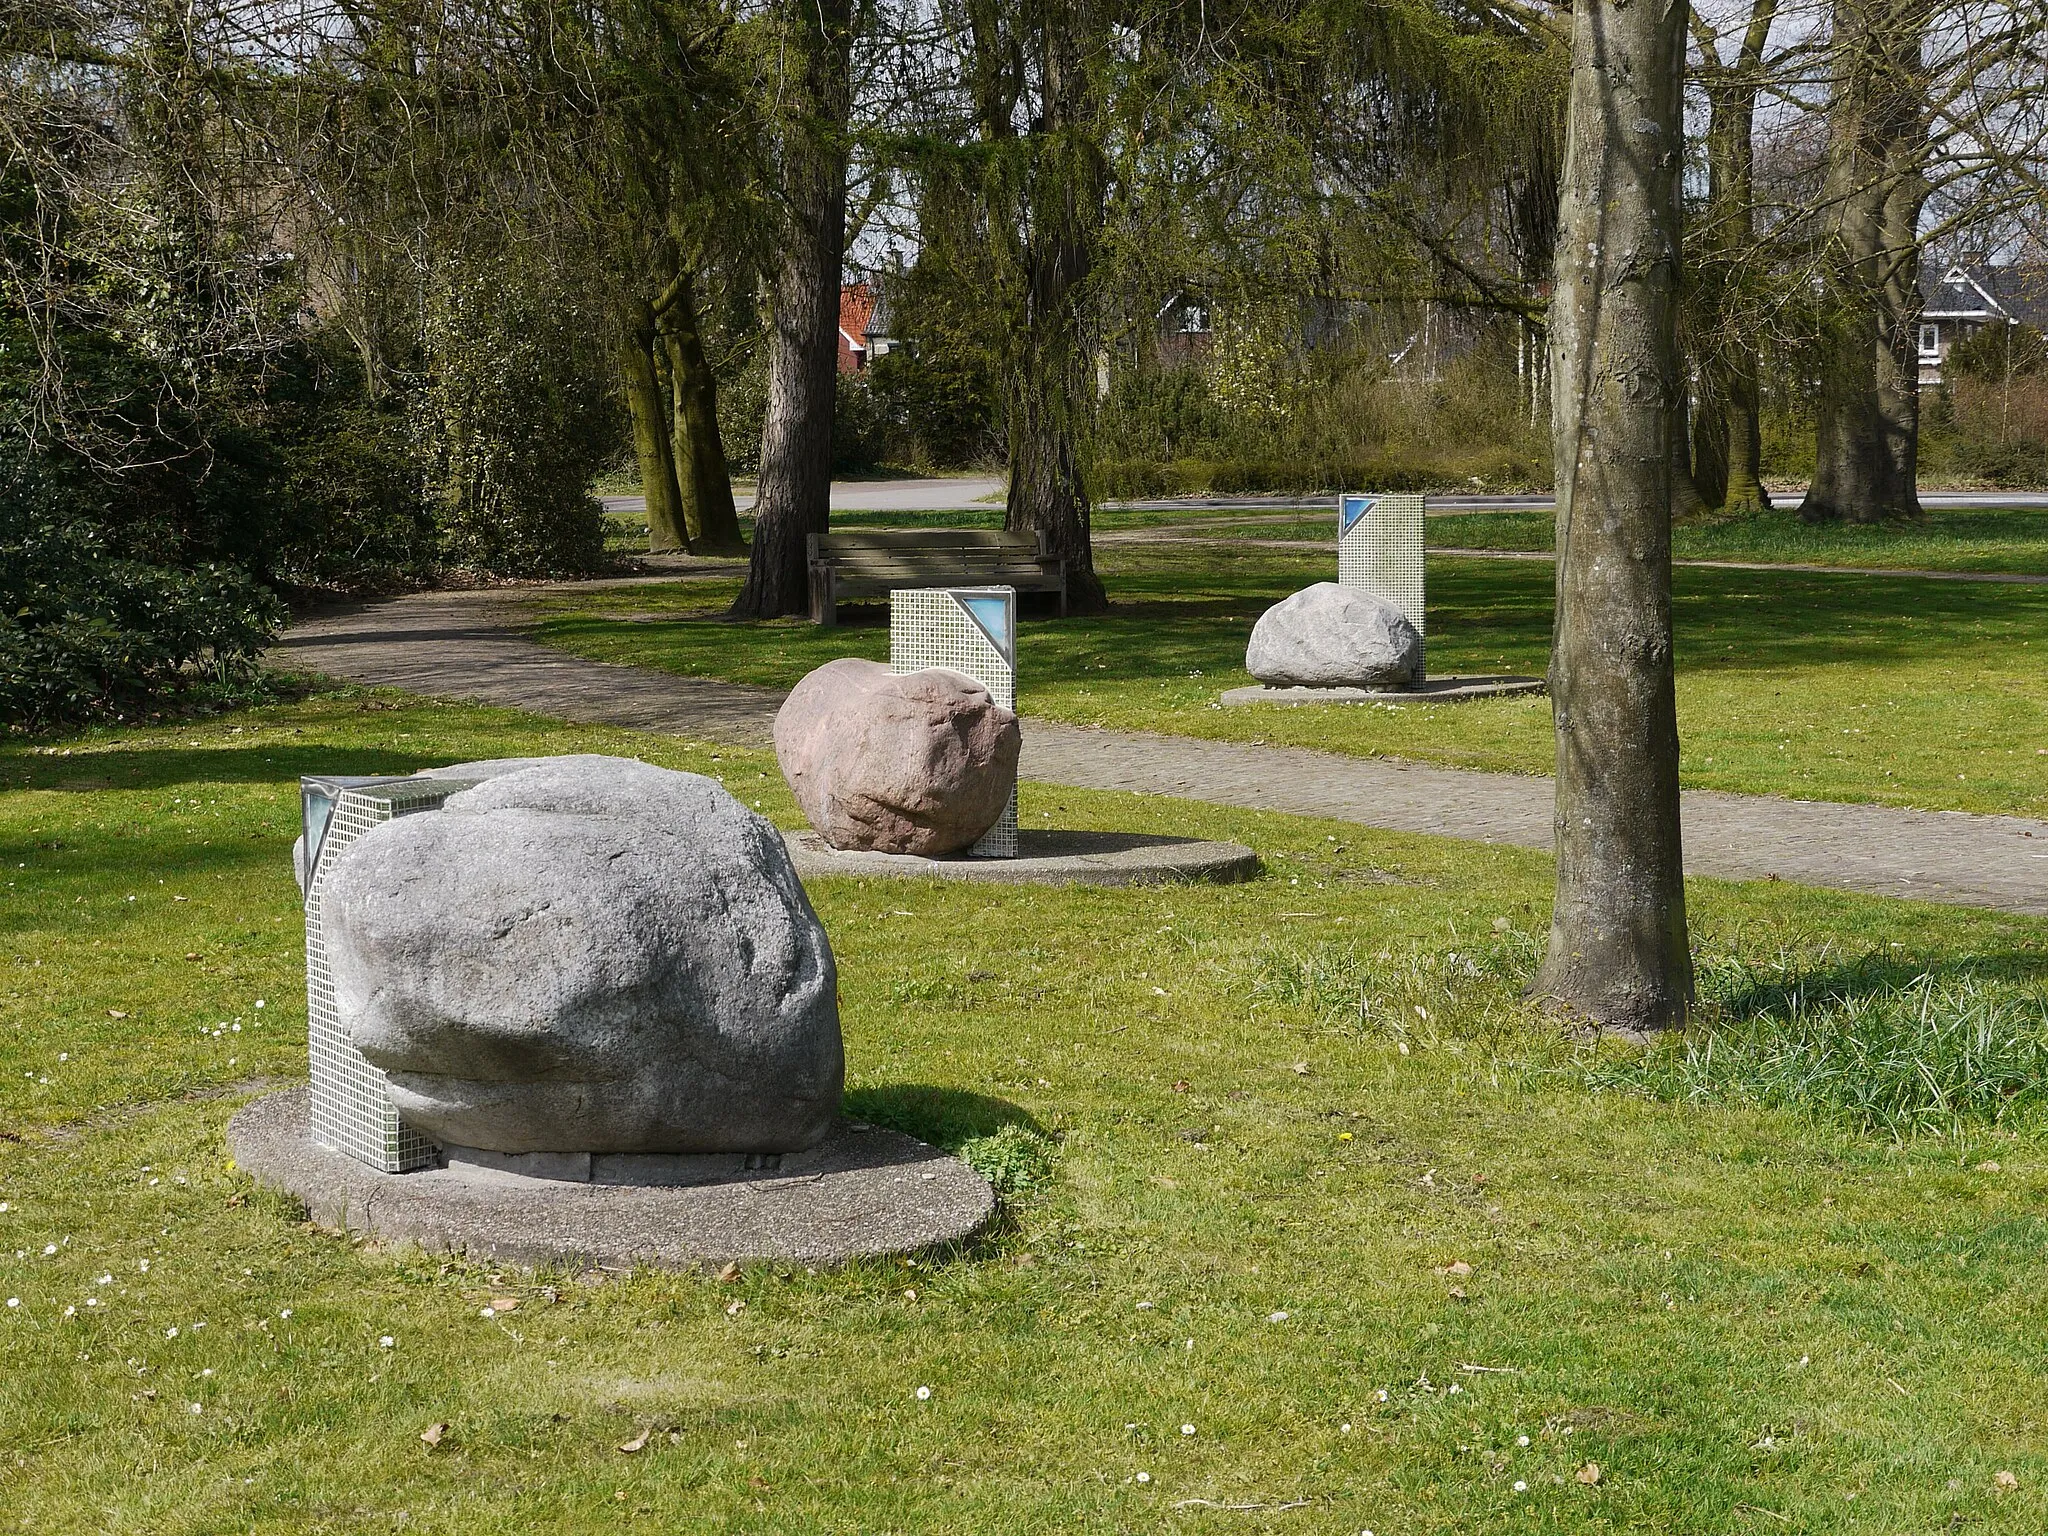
x: 472, y: 646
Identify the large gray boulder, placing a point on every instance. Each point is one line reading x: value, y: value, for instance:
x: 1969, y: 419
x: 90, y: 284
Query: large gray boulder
x: 588, y: 954
x: 921, y: 762
x: 1327, y: 636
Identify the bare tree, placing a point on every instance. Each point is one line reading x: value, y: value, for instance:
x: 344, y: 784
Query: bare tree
x: 1618, y: 953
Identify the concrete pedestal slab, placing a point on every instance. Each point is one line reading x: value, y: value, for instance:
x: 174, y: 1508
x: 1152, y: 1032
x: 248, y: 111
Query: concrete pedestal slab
x: 1046, y: 858
x: 862, y: 1192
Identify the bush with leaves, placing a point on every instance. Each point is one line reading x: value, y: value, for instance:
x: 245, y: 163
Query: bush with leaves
x: 517, y: 417
x: 86, y: 631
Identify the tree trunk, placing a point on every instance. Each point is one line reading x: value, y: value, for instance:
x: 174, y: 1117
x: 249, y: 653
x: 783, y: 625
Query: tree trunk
x: 701, y: 474
x: 793, y: 498
x: 1742, y: 436
x: 1043, y: 205
x: 1733, y: 434
x: 1686, y: 499
x: 1618, y: 957
x: 666, y: 530
x: 1867, y: 408
x: 1049, y: 400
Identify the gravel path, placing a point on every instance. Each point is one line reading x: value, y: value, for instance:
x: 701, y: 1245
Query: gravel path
x: 473, y: 646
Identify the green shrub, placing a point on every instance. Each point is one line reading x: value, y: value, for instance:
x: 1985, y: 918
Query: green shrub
x: 87, y: 632
x: 518, y: 417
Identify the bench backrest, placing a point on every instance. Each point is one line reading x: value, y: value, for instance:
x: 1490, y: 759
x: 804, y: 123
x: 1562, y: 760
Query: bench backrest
x: 890, y: 543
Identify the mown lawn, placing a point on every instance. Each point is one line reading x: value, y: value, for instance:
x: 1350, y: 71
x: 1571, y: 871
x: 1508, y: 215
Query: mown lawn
x: 2013, y: 539
x: 1891, y: 690
x: 1276, y: 1116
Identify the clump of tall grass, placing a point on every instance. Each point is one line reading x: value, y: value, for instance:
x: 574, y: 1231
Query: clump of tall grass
x: 1927, y: 1054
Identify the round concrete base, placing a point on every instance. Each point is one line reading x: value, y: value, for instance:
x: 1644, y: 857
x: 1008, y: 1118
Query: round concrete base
x: 1046, y: 858
x: 1437, y: 690
x: 863, y: 1191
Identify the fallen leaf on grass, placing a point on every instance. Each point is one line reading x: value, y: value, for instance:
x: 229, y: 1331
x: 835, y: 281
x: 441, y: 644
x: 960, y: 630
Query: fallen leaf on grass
x: 730, y: 1273
x: 116, y: 1013
x: 2005, y: 1481
x: 432, y: 1434
x: 1589, y: 1474
x: 638, y: 1443
x: 504, y: 1303
x: 1458, y: 1293
x: 1457, y: 1269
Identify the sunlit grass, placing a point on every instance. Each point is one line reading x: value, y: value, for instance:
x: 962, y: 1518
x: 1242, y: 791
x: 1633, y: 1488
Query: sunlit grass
x: 1307, y: 1095
x: 1831, y: 687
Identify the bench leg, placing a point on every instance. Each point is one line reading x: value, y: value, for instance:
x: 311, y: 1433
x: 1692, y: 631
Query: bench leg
x: 824, y: 597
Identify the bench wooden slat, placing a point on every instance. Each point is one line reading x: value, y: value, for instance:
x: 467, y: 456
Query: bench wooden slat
x: 871, y: 562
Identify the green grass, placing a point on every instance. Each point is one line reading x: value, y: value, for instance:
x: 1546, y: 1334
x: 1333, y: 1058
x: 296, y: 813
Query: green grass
x: 2002, y: 539
x: 1897, y: 691
x: 1305, y: 1095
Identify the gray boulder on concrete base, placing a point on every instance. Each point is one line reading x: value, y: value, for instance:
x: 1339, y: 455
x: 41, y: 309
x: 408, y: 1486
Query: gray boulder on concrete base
x: 917, y: 762
x: 1327, y: 636
x: 588, y: 954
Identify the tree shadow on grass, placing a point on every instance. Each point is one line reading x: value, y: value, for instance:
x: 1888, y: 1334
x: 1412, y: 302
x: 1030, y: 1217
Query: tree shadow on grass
x: 1748, y: 990
x: 118, y: 768
x: 947, y: 1118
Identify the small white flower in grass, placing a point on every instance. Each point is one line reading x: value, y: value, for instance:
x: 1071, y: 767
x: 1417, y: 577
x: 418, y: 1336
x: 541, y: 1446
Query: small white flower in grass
x: 1143, y: 1306
x: 48, y: 1249
x: 287, y: 1312
x: 144, y: 1265
x: 1521, y: 1440
x: 924, y: 1394
x: 92, y: 1301
x: 1344, y: 1429
x: 63, y: 1055
x: 14, y: 1301
x: 488, y: 1314
x: 387, y: 1342
x: 1144, y: 1477
x: 259, y: 1002
x: 1276, y: 1317
x: 104, y: 1280
x: 71, y: 1311
x: 1520, y: 1486
x: 1380, y: 1396
x: 207, y: 1372
x: 1187, y: 1429
x: 197, y: 1409
x: 3, y: 1207
x: 170, y: 1333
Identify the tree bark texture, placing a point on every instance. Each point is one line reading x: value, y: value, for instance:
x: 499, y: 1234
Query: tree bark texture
x: 1728, y: 433
x: 1049, y: 403
x: 1618, y: 954
x: 1867, y: 406
x: 793, y: 498
x: 699, y: 452
x: 647, y: 403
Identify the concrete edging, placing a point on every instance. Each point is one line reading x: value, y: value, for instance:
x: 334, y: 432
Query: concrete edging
x: 1045, y: 857
x: 862, y: 1192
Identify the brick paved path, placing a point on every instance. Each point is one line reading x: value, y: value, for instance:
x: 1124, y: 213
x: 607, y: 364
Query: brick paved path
x: 471, y: 646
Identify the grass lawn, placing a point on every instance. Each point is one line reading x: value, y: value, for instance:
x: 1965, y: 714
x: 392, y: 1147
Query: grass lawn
x: 1273, y: 1117
x: 1975, y: 539
x: 1893, y: 690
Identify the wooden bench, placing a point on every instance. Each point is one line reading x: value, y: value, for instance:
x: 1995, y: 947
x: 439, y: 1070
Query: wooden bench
x: 846, y: 566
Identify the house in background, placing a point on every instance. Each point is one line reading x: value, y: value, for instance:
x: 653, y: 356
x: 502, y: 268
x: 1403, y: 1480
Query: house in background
x: 1959, y: 298
x: 863, y: 326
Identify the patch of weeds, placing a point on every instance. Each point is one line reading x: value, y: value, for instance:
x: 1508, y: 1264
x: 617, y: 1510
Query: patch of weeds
x: 1932, y: 1054
x: 1017, y: 1162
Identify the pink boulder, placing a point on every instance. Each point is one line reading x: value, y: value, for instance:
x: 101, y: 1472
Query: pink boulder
x: 921, y: 762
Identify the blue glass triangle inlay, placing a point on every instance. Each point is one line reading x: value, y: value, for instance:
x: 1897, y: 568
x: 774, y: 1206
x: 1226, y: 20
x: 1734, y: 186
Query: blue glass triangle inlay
x: 1351, y: 509
x: 991, y: 616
